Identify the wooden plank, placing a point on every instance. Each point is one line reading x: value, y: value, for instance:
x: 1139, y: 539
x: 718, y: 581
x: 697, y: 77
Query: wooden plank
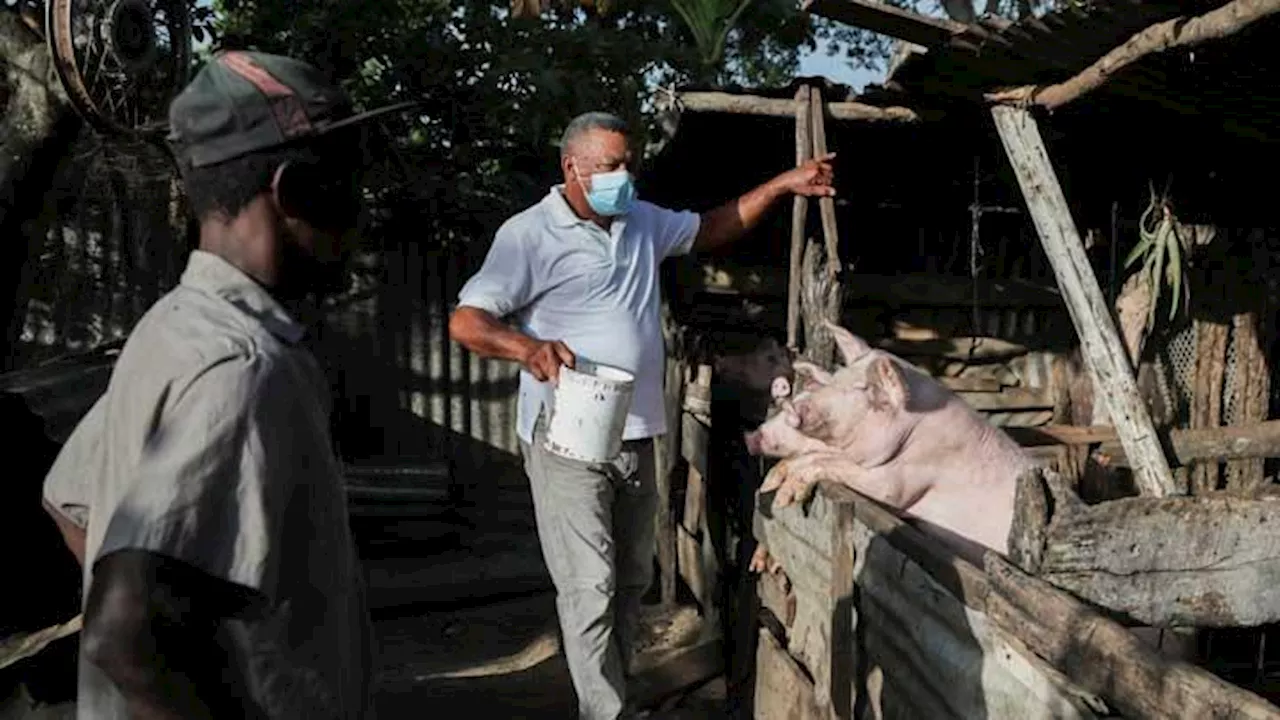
x: 940, y: 658
x: 1103, y: 352
x: 900, y: 291
x: 1251, y: 395
x: 689, y: 562
x: 957, y: 348
x: 826, y: 205
x: 703, y: 101
x: 1223, y: 443
x: 1063, y: 435
x: 931, y: 32
x: 694, y: 439
x: 971, y: 384
x: 20, y: 646
x: 782, y: 690
x: 694, y: 500
x: 1208, y: 561
x: 666, y: 449
x: 776, y: 596
x: 1009, y: 399
x: 1104, y: 658
x: 1259, y: 440
x: 799, y: 219
x: 839, y: 694
x: 1206, y: 393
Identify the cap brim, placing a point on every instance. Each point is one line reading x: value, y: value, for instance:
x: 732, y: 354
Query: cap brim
x: 367, y: 116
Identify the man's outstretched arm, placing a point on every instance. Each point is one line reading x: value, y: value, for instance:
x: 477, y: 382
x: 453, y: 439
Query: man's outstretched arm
x: 735, y: 218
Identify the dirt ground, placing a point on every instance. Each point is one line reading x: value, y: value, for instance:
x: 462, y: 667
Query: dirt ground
x: 417, y: 655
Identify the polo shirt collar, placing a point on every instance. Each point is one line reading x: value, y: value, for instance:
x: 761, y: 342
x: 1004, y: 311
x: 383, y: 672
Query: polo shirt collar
x: 563, y: 216
x: 210, y: 274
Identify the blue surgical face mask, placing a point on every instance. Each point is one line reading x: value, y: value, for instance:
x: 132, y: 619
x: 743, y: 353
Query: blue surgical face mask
x: 611, y: 193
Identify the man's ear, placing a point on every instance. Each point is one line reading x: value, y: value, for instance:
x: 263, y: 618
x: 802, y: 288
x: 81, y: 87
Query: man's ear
x: 886, y: 383
x: 851, y: 346
x: 285, y: 190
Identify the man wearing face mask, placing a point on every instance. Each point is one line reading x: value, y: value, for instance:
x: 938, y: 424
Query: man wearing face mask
x: 579, y: 270
x: 200, y: 493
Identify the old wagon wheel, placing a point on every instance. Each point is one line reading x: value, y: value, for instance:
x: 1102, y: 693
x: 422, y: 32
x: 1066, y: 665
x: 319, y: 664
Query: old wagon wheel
x: 121, y: 61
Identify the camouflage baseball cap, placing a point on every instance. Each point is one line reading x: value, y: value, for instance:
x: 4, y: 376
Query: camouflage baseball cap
x: 243, y: 102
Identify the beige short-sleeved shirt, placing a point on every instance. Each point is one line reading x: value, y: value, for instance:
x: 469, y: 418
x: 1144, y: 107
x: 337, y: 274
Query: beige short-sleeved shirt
x: 211, y: 445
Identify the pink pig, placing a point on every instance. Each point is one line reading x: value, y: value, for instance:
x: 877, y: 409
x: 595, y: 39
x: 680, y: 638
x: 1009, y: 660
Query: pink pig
x: 896, y: 435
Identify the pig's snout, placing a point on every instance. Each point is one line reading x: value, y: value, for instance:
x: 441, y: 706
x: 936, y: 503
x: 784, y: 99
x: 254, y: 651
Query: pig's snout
x: 780, y: 388
x: 753, y: 441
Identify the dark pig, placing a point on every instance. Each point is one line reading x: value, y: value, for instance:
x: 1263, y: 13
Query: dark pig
x: 896, y: 435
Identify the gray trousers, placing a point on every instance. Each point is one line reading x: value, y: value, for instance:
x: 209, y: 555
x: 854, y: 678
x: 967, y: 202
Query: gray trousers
x: 596, y: 527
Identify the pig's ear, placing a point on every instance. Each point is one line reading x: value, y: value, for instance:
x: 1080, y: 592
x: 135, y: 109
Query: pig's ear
x: 851, y: 346
x: 812, y: 373
x: 886, y: 383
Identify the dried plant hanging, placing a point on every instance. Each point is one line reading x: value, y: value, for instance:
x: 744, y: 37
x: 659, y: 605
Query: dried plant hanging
x: 1165, y: 256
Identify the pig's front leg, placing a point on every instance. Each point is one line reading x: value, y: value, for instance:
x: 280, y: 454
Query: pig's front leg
x: 795, y: 478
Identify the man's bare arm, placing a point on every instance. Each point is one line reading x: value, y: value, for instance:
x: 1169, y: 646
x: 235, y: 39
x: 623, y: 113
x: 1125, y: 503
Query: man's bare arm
x: 72, y: 534
x: 735, y: 218
x: 487, y: 336
x: 153, y: 626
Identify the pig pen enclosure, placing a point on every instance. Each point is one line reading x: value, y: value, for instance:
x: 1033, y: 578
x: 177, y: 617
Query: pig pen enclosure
x: 987, y: 242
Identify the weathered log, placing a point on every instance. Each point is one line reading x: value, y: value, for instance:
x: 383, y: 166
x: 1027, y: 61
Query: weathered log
x: 819, y: 304
x: 1103, y: 352
x: 783, y: 108
x: 1206, y: 394
x: 1178, y: 32
x: 36, y: 115
x: 826, y: 205
x: 1215, y: 444
x: 1208, y: 561
x: 888, y: 20
x: 1260, y: 440
x: 1251, y: 395
x: 799, y: 219
x: 1104, y: 658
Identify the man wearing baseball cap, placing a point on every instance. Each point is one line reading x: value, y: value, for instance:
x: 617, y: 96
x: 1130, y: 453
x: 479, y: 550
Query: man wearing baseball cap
x: 200, y: 493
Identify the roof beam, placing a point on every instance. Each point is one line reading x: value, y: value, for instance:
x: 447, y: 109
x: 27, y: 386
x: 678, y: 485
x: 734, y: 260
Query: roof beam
x: 786, y: 107
x: 1178, y: 32
x: 887, y: 20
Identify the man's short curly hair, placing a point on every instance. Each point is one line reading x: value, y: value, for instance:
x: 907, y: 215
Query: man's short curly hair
x: 227, y: 188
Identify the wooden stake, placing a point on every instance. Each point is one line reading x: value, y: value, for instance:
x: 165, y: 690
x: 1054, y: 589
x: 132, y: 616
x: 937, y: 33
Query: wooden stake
x: 734, y: 104
x: 799, y: 217
x: 1103, y: 352
x: 826, y: 205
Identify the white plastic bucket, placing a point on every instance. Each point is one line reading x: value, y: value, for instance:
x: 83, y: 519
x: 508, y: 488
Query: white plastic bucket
x: 589, y: 411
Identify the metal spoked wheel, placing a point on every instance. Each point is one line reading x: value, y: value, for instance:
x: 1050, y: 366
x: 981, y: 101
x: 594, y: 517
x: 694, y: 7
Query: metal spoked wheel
x: 121, y: 61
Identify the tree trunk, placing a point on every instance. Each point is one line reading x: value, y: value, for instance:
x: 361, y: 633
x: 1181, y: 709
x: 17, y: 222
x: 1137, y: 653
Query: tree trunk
x: 36, y: 114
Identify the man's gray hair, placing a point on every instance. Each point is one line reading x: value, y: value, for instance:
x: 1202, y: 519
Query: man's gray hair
x: 586, y: 122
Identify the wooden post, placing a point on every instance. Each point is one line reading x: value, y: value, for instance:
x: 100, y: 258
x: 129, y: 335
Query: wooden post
x: 1206, y: 394
x: 1103, y: 352
x: 820, y: 280
x: 799, y: 217
x: 826, y: 205
x: 666, y: 450
x: 1251, y: 393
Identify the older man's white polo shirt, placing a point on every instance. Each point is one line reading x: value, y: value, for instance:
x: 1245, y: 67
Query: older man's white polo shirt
x: 596, y: 290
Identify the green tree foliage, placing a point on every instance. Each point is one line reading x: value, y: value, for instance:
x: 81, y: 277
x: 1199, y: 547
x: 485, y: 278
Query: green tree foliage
x: 496, y: 90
